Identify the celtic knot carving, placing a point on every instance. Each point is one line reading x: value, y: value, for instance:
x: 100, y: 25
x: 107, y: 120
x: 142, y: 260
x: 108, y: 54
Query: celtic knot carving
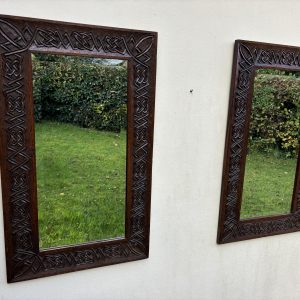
x: 249, y: 56
x: 16, y: 38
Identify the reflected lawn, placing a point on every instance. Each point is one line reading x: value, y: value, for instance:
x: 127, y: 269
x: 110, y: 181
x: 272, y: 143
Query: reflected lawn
x: 268, y: 185
x: 81, y: 184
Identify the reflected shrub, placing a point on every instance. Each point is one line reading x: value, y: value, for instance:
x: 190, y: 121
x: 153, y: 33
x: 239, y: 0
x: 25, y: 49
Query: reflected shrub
x: 80, y: 91
x: 275, y: 114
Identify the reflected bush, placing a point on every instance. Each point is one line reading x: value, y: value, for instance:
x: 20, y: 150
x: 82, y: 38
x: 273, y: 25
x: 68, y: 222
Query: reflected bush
x: 275, y: 117
x: 80, y: 91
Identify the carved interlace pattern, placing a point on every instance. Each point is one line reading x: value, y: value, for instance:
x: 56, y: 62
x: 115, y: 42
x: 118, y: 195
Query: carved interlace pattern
x: 250, y: 56
x: 15, y: 40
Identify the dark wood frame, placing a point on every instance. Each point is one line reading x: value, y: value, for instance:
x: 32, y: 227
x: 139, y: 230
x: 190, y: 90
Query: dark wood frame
x: 18, y: 38
x: 248, y: 57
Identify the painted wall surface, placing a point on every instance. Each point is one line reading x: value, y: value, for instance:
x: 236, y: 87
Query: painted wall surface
x: 195, y: 48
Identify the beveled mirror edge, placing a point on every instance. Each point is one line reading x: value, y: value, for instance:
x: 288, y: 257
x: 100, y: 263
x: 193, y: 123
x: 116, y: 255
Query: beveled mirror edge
x: 18, y: 34
x: 129, y: 137
x: 247, y: 57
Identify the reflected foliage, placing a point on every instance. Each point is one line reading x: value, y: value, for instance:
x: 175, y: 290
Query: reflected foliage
x: 88, y: 92
x: 275, y: 114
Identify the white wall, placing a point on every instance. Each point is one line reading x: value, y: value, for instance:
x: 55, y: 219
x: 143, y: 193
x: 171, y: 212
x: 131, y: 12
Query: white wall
x: 195, y: 47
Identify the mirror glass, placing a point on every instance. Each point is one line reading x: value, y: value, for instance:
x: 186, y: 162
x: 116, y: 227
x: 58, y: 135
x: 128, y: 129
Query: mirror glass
x: 272, y: 145
x: 80, y: 111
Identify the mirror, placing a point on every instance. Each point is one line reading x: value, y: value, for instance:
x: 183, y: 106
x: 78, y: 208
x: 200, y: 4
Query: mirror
x: 80, y: 110
x: 76, y: 137
x: 261, y: 170
x: 272, y: 144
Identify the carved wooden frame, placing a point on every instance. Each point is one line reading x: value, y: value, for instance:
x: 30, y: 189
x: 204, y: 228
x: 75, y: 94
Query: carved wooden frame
x: 18, y: 38
x: 248, y: 57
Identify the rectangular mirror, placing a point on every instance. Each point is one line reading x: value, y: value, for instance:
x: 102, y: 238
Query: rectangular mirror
x: 80, y: 110
x: 272, y: 144
x: 261, y: 183
x: 76, y: 136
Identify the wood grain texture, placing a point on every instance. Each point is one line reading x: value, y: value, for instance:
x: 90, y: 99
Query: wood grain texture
x: 18, y: 38
x: 249, y: 56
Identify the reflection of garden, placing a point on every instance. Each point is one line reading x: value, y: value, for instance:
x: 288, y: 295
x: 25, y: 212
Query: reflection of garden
x: 268, y: 185
x: 80, y: 113
x: 87, y: 92
x: 273, y: 144
x: 81, y: 183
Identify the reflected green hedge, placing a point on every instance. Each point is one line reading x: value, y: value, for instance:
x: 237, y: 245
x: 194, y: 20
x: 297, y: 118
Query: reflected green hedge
x: 80, y: 92
x: 275, y: 114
